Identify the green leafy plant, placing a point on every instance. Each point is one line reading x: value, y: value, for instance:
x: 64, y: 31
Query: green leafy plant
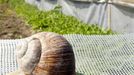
x: 54, y: 20
x: 3, y: 1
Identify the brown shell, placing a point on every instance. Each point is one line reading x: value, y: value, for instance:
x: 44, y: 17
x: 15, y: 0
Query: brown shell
x: 57, y: 57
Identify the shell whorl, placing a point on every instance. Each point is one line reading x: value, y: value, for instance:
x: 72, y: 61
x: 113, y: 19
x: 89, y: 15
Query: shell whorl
x: 46, y: 53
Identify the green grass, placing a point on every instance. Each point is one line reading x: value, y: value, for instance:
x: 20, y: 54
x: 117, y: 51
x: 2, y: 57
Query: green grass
x: 54, y: 20
x: 3, y: 1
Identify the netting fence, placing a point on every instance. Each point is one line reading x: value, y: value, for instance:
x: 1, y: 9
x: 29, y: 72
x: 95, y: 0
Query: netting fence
x: 95, y: 55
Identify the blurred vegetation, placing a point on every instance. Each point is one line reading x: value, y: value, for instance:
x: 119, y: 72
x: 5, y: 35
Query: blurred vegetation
x: 54, y: 20
x: 1, y: 1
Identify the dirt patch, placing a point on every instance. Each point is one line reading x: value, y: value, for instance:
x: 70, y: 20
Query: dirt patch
x: 11, y: 26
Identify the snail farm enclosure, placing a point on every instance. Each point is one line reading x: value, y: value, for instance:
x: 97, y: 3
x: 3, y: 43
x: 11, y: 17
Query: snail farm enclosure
x: 94, y: 54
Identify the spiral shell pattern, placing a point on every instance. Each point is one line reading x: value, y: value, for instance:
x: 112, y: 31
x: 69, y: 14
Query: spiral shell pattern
x: 47, y: 53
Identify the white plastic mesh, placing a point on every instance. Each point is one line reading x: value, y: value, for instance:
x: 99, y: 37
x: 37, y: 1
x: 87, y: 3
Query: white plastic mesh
x: 95, y: 55
x: 7, y: 55
x: 104, y: 55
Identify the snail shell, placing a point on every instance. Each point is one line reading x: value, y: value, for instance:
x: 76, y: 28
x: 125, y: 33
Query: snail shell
x: 46, y: 53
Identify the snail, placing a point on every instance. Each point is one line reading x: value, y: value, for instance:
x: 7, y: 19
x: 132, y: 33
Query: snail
x: 45, y: 53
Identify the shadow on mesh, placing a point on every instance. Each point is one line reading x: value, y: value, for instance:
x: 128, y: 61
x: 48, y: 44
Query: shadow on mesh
x: 79, y: 73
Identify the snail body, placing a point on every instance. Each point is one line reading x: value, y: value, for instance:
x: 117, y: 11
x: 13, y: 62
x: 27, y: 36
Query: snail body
x: 46, y: 53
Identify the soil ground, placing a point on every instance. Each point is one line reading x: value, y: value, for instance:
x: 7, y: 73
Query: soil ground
x: 11, y: 26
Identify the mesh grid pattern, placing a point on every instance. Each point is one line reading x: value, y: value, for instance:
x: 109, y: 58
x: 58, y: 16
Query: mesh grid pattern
x: 104, y: 55
x: 7, y: 55
x: 95, y: 55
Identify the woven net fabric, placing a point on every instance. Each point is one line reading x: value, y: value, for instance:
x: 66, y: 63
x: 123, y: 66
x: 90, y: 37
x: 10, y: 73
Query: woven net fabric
x: 7, y: 55
x: 94, y: 55
x: 104, y: 55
